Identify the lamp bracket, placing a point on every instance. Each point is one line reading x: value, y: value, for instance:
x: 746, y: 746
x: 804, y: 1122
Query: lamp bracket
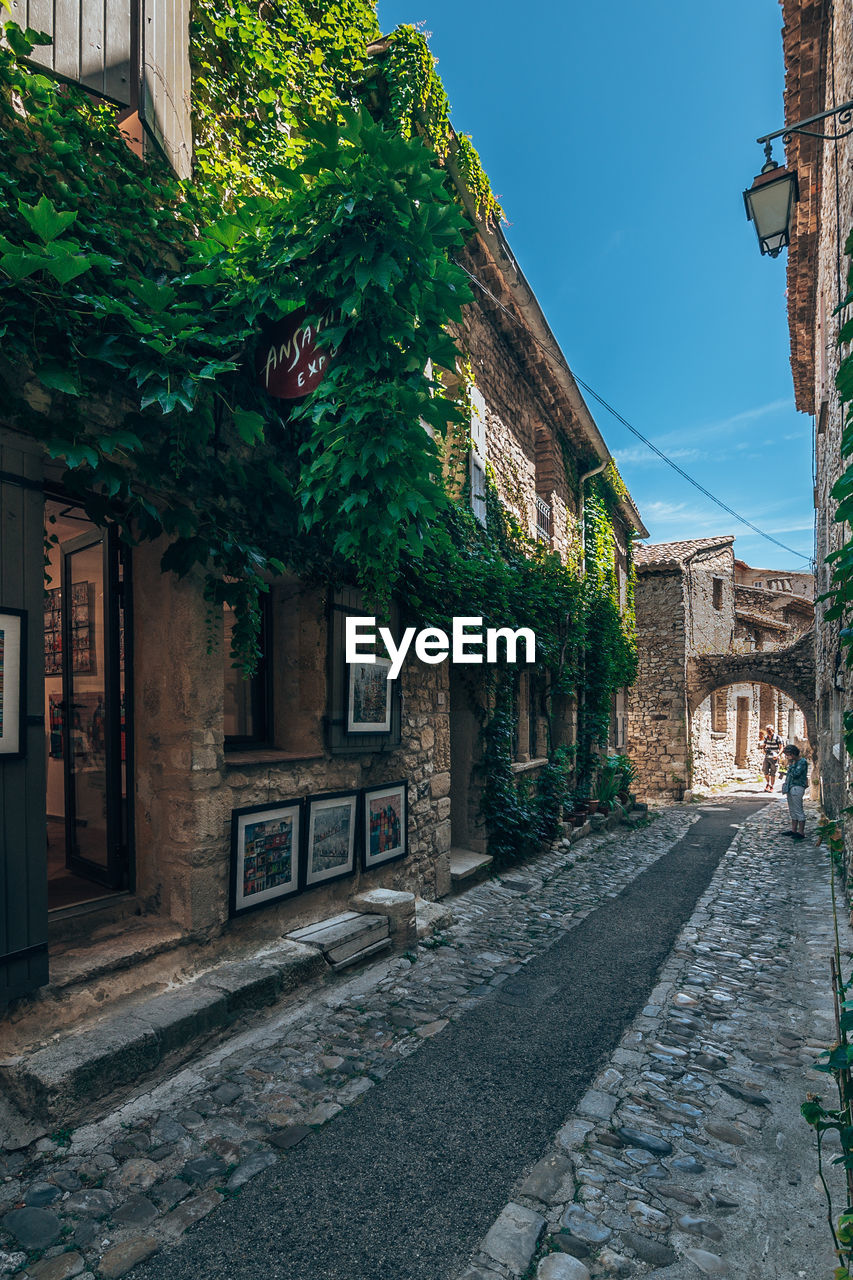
x: 844, y: 115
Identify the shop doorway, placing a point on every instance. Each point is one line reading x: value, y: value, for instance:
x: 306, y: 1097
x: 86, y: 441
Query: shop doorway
x: 86, y: 705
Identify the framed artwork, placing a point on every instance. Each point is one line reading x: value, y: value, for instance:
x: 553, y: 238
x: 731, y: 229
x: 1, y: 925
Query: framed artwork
x: 13, y: 665
x: 264, y: 854
x: 369, y: 697
x: 82, y: 629
x: 386, y: 823
x: 55, y: 707
x: 331, y: 836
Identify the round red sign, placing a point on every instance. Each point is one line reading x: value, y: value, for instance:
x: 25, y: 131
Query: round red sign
x: 290, y: 364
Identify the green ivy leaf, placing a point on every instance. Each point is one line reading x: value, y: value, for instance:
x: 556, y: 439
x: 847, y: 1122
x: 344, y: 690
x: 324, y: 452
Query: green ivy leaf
x: 19, y: 265
x: 45, y: 219
x: 58, y: 378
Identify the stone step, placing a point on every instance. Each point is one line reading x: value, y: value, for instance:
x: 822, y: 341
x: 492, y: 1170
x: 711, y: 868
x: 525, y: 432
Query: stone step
x: 345, y: 936
x: 375, y: 949
x: 68, y: 1077
x: 466, y: 866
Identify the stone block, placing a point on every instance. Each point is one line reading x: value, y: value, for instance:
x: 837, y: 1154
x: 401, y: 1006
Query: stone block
x: 439, y: 785
x: 179, y: 1016
x: 432, y: 917
x: 63, y: 1267
x: 121, y: 1258
x: 399, y: 908
x: 513, y: 1237
x: 56, y: 1079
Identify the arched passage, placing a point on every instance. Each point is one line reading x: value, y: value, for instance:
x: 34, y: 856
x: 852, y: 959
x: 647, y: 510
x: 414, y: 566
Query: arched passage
x: 732, y: 697
x: 790, y: 670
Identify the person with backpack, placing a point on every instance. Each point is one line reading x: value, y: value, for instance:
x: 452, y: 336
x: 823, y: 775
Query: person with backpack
x: 772, y: 744
x: 794, y: 786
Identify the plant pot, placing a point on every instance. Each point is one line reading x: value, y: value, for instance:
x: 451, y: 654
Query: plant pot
x: 593, y: 806
x: 622, y: 797
x: 604, y: 806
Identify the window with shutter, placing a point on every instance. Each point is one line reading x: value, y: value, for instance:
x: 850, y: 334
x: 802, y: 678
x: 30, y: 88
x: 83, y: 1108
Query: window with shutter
x: 478, y: 455
x: 134, y: 53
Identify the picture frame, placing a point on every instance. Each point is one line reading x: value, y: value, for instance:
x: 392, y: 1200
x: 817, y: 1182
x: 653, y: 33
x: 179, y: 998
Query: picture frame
x: 332, y: 826
x: 82, y: 630
x: 369, y: 697
x: 13, y: 672
x: 385, y: 823
x: 266, y: 842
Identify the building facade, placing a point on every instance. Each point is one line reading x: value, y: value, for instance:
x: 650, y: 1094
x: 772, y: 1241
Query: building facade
x: 158, y: 796
x: 693, y: 608
x: 818, y: 50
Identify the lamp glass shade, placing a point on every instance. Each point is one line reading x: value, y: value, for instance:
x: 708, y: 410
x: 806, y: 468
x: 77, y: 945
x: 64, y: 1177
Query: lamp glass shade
x: 769, y: 205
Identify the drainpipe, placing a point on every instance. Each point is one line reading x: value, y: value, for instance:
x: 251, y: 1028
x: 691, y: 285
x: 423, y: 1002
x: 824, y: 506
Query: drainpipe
x: 587, y: 475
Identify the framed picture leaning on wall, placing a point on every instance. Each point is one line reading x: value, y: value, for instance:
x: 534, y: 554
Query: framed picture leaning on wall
x: 386, y: 821
x: 13, y: 669
x: 369, y: 697
x: 265, y: 841
x: 331, y: 826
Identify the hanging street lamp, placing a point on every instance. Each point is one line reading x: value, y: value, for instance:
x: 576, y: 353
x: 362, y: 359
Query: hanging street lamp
x: 770, y: 203
x: 775, y: 190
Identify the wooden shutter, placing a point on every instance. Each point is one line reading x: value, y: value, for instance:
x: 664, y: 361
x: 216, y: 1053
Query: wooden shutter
x: 165, y: 100
x: 23, y: 851
x: 478, y: 455
x: 91, y: 42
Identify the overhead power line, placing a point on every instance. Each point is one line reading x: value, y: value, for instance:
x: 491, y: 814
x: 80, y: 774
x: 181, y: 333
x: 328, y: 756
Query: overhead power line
x: 557, y: 355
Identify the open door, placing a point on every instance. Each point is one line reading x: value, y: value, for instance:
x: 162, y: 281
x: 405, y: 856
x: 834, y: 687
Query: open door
x: 92, y: 711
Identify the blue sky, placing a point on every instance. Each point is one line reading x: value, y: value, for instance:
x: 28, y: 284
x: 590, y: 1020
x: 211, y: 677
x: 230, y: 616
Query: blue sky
x: 619, y: 140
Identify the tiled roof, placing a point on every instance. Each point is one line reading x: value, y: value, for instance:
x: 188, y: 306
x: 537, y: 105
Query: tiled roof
x: 672, y: 555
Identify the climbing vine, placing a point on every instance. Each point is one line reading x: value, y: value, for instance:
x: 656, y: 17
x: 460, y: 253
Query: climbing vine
x: 130, y: 308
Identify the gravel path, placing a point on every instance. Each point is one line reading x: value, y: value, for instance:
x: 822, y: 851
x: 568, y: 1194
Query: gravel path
x: 404, y: 1184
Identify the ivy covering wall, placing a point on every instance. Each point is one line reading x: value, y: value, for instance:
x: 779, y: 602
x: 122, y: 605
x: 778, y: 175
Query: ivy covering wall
x: 131, y: 305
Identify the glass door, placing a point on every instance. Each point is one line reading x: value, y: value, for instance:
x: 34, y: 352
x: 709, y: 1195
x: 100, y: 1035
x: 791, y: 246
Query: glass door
x: 93, y: 708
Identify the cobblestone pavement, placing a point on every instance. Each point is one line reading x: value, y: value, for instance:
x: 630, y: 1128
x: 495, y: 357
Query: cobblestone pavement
x: 688, y: 1156
x: 718, y: 1182
x: 112, y: 1193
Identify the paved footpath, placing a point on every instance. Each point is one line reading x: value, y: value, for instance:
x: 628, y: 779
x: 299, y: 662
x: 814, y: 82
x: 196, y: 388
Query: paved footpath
x: 377, y: 1128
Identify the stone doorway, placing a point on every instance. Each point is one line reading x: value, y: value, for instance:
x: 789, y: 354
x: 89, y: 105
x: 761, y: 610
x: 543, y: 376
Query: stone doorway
x: 466, y: 833
x: 742, y: 733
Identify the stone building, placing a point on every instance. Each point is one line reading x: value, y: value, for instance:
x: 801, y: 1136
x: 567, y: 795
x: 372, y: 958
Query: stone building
x: 174, y: 794
x: 818, y: 50
x: 692, y: 608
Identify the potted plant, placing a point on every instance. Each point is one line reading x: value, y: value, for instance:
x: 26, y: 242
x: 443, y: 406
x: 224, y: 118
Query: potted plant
x: 607, y: 784
x: 627, y: 776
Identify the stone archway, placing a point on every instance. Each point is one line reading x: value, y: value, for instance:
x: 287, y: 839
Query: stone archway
x: 791, y: 670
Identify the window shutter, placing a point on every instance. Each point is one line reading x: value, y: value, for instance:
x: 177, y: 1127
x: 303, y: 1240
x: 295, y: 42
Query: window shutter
x: 23, y: 855
x: 91, y: 42
x: 165, y: 99
x: 478, y: 455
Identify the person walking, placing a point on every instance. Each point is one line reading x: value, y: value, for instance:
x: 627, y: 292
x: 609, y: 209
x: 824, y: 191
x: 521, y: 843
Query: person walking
x: 772, y: 744
x: 794, y: 786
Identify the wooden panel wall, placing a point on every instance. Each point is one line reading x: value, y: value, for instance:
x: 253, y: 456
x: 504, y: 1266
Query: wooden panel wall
x: 91, y: 41
x: 23, y: 853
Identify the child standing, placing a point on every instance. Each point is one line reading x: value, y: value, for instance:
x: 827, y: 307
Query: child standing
x: 794, y: 786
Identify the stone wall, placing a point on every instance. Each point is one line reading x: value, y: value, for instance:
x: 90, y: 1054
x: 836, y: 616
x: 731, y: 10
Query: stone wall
x: 710, y: 629
x: 524, y: 444
x: 834, y: 688
x: 657, y: 702
x: 186, y: 785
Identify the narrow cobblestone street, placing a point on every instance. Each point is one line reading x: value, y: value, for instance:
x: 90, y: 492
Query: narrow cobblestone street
x: 520, y: 1122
